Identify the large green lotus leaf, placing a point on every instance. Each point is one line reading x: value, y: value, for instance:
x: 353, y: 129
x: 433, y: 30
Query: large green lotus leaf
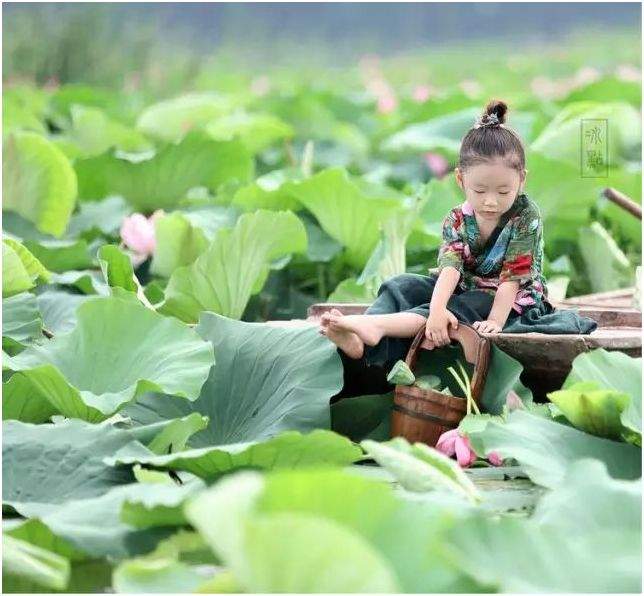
x: 256, y: 131
x: 17, y: 117
x: 26, y: 561
x: 93, y: 525
x: 420, y: 468
x: 47, y: 464
x: 563, y: 197
x: 286, y: 551
x: 388, y: 258
x: 211, y: 218
x: 591, y: 408
x: 21, y: 400
x: 224, y: 277
x: 58, y: 310
x: 442, y: 196
x: 607, y: 267
x: 349, y: 290
x: 87, y: 575
x: 88, y: 281
x: 446, y: 132
x: 289, y: 449
x: 545, y: 448
x: 90, y: 372
x: 173, y: 118
x: 38, y: 182
x: 21, y: 271
x: 161, y: 505
x: 21, y: 321
x: 99, y: 217
x: 283, y: 549
x: 93, y: 132
x: 266, y: 379
x: 157, y: 575
x: 35, y: 532
x: 561, y: 140
x: 606, y: 89
x: 584, y: 536
x: 349, y: 212
x: 408, y: 535
x: 613, y: 370
x: 178, y: 243
x: 61, y: 255
x: 174, y: 437
x: 270, y: 191
x: 169, y: 568
x: 321, y: 247
x: 61, y: 102
x: 117, y: 268
x: 162, y: 179
x: 17, y: 227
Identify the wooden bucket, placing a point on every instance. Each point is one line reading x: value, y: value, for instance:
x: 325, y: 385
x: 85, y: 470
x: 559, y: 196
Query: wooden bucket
x: 424, y: 414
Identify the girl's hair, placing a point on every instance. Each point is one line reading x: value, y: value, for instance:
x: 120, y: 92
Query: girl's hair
x: 488, y: 139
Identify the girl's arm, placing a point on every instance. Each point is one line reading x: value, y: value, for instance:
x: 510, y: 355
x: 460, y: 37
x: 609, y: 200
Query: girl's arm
x: 444, y: 288
x: 439, y: 319
x: 503, y: 301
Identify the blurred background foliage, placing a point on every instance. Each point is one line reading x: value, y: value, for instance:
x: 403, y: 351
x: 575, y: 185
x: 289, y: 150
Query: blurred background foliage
x: 382, y: 92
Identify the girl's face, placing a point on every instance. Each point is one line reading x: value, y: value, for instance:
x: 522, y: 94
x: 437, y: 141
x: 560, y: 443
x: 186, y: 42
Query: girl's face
x: 490, y: 188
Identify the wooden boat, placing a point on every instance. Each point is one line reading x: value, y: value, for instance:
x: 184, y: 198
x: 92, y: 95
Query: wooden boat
x: 546, y: 358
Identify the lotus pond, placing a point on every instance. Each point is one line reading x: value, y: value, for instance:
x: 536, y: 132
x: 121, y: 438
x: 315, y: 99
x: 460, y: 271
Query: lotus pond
x: 160, y: 436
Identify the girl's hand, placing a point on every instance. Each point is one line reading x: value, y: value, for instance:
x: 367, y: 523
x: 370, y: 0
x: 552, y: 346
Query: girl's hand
x: 437, y: 327
x: 488, y: 326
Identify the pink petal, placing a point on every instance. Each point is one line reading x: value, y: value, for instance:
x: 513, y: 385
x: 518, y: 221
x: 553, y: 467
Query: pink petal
x: 467, y: 208
x: 137, y: 232
x: 387, y: 104
x: 437, y: 164
x: 446, y: 442
x: 494, y: 458
x: 464, y: 454
x: 421, y: 93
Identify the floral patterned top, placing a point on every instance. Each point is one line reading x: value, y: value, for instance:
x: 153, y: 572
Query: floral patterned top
x: 513, y: 252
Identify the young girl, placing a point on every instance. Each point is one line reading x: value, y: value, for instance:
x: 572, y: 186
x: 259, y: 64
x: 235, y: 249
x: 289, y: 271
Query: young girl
x: 489, y: 265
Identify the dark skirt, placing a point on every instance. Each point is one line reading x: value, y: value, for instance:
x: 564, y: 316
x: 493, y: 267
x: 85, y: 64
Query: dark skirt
x: 411, y: 292
x: 408, y: 292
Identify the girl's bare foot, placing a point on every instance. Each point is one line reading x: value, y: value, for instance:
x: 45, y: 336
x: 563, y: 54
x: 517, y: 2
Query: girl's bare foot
x: 324, y: 319
x: 361, y: 325
x: 347, y: 341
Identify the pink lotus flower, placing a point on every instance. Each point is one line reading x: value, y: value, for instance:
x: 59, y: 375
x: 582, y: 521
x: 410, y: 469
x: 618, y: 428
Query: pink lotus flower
x: 421, y: 93
x: 437, y: 164
x: 494, y: 458
x: 453, y: 442
x: 387, y: 103
x: 137, y: 233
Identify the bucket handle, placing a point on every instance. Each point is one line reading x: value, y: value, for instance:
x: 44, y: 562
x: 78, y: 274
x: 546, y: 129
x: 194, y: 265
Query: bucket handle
x: 475, y: 347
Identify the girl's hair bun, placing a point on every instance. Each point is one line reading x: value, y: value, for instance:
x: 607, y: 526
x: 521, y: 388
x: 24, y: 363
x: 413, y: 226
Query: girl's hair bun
x: 497, y: 108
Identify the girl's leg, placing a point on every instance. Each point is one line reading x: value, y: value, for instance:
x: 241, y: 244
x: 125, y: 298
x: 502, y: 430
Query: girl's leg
x: 396, y: 296
x: 372, y: 328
